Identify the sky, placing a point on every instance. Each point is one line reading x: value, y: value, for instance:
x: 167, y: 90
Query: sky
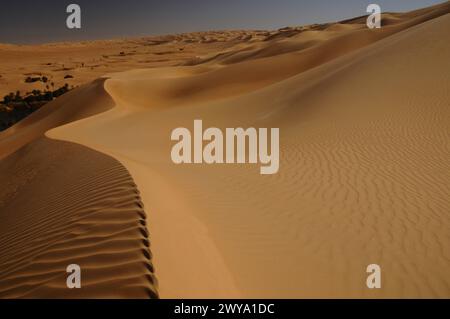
x: 44, y: 21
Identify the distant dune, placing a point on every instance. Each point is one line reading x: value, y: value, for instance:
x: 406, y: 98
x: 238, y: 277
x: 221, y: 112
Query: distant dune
x: 364, y: 170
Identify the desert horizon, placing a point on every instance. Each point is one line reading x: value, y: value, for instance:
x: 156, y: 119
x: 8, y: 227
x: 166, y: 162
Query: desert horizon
x: 300, y: 162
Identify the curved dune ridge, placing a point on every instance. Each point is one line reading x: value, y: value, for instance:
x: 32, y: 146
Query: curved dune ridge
x: 65, y: 204
x: 363, y: 117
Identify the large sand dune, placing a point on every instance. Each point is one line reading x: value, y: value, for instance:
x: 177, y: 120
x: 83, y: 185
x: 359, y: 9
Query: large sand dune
x: 65, y: 204
x: 364, y: 169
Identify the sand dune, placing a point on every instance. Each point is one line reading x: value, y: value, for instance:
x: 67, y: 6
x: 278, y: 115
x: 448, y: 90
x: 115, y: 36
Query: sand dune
x: 92, y: 217
x: 88, y: 100
x: 364, y: 169
x: 363, y: 117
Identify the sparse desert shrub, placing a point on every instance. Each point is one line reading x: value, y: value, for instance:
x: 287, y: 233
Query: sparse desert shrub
x: 30, y: 79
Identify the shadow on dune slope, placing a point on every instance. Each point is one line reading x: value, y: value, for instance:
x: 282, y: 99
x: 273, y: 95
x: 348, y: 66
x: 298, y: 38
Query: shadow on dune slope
x: 64, y: 204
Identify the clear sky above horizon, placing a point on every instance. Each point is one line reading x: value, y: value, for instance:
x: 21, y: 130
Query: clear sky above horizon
x: 41, y: 21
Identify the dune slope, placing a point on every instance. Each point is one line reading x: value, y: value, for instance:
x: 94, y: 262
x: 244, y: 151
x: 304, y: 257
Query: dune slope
x: 64, y: 204
x: 83, y: 102
x: 363, y: 179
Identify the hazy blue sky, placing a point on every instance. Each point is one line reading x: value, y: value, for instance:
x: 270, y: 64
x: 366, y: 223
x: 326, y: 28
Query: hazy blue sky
x: 37, y: 21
